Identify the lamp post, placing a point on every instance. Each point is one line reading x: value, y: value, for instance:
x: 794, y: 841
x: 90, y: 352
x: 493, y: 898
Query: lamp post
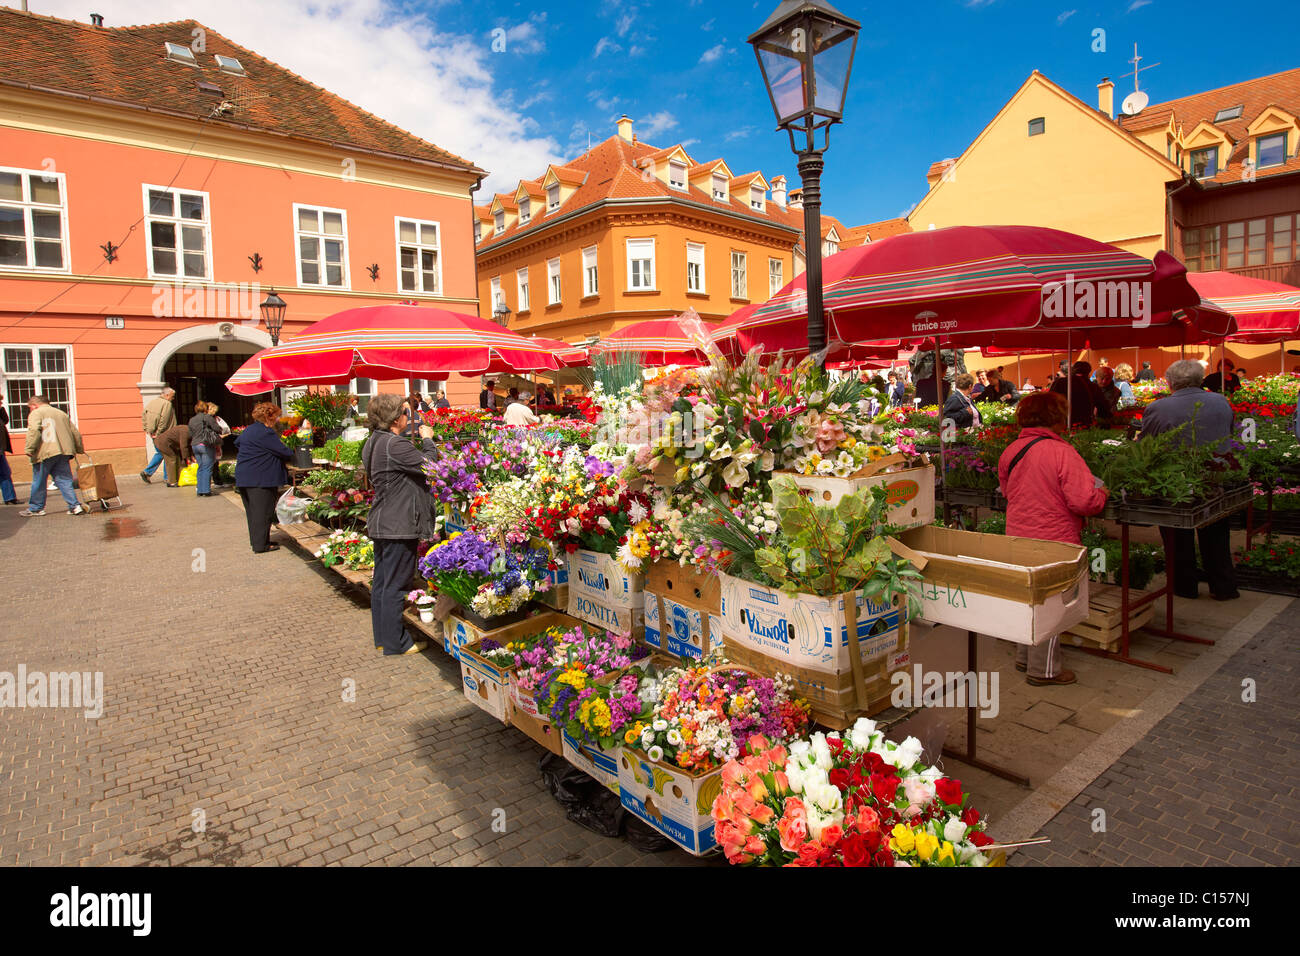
x: 805, y: 51
x: 501, y: 315
x: 273, y: 309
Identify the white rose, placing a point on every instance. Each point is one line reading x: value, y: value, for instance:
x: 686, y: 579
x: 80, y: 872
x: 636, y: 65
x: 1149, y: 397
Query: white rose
x: 860, y: 733
x: 767, y: 461
x: 721, y: 452
x: 735, y: 474
x: 910, y: 752
x: 604, y: 523
x: 954, y: 830
x: 794, y: 774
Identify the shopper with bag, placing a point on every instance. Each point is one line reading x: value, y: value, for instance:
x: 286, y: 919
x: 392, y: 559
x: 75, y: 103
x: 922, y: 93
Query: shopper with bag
x: 1049, y: 490
x: 260, y: 472
x: 402, y: 514
x: 6, y: 475
x: 53, y: 442
x: 205, y: 440
x: 225, y: 432
x: 174, y: 446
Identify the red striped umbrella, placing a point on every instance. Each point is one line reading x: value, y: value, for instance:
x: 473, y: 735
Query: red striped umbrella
x: 395, y: 341
x: 682, y: 340
x: 1266, y: 312
x: 975, y: 280
x: 569, y: 355
x: 734, y: 340
x: 247, y: 380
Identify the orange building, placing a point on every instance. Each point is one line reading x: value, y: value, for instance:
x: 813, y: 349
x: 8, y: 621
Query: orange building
x: 628, y: 231
x: 148, y: 204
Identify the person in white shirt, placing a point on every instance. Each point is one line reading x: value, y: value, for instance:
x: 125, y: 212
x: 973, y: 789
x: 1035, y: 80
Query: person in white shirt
x: 518, y: 413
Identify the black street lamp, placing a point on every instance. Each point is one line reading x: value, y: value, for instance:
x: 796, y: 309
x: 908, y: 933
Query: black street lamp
x: 273, y: 309
x: 805, y: 50
x: 501, y: 314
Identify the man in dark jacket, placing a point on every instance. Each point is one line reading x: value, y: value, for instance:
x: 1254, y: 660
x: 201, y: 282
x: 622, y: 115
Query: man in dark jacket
x: 1146, y: 375
x: 401, y: 515
x: 1208, y: 417
x: 487, y: 399
x: 1087, y: 403
x: 999, y: 390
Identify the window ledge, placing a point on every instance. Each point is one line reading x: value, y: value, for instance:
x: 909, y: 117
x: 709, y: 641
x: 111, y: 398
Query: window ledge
x: 697, y: 295
x: 590, y: 298
x: 522, y: 312
x: 553, y: 305
x: 641, y: 292
x: 738, y: 299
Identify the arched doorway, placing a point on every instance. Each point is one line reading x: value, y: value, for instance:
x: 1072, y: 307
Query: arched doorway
x: 197, y: 362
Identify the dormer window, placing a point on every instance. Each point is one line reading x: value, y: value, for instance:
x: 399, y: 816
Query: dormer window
x: 830, y: 247
x: 478, y: 231
x: 500, y: 220
x: 1205, y: 162
x: 720, y: 188
x: 677, y: 175
x: 1231, y: 113
x: 1272, y: 150
x: 756, y: 198
x: 525, y: 209
x: 553, y: 197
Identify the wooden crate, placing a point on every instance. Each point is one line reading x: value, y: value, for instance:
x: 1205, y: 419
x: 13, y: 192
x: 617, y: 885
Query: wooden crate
x: 1104, y: 626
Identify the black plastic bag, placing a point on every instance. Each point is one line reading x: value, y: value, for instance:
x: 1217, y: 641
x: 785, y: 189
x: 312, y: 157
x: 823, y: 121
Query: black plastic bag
x: 585, y: 801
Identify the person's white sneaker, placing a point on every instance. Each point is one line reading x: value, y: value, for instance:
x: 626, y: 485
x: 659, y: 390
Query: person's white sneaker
x: 29, y: 513
x: 77, y: 510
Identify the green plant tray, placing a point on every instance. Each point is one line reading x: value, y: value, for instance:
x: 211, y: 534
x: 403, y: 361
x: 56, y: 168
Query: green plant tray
x: 973, y: 498
x: 1194, y: 514
x: 1254, y: 580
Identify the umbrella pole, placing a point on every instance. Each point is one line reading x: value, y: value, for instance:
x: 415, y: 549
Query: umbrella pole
x: 943, y: 463
x: 1281, y: 358
x: 1069, y: 378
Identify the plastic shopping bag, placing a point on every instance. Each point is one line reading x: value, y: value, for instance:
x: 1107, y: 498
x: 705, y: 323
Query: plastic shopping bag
x: 291, y: 509
x: 189, y: 475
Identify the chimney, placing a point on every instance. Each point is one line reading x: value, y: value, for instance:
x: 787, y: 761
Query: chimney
x: 1106, y: 97
x: 778, y: 191
x: 97, y: 19
x: 796, y: 200
x: 625, y: 128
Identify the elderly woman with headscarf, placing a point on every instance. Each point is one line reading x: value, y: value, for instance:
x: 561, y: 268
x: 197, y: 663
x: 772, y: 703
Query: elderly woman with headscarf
x: 401, y: 515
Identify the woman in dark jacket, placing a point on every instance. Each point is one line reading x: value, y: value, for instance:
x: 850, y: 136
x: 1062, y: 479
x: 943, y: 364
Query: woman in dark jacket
x: 6, y: 476
x: 402, y: 514
x: 960, y: 406
x: 205, y: 442
x: 260, y: 473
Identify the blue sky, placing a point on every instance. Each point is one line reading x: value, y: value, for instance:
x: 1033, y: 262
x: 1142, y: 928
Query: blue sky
x: 928, y: 75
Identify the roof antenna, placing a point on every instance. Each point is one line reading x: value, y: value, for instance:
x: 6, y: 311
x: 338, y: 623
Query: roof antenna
x: 1136, y: 101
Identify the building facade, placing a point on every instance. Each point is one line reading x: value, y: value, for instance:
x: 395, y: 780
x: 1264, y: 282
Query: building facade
x: 149, y: 205
x: 627, y: 232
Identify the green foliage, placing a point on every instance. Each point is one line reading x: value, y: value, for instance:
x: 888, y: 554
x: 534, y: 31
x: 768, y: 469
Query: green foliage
x: 614, y: 371
x: 330, y: 480
x: 1158, y: 466
x: 323, y: 409
x: 995, y: 523
x: 1145, y: 561
x: 1274, y: 557
x: 342, y: 452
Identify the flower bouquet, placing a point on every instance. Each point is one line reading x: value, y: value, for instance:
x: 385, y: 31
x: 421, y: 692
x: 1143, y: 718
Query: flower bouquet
x: 577, y: 681
x: 491, y: 584
x: 857, y: 800
x: 586, y: 503
x: 423, y: 602
x: 351, y: 549
x: 347, y: 508
x: 450, y: 424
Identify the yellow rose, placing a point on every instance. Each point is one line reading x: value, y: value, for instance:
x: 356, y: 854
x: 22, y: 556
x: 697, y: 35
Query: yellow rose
x: 926, y: 845
x: 945, y: 852
x: 903, y: 839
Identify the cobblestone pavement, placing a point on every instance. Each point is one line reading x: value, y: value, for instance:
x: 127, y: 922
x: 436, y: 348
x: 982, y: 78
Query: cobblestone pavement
x: 223, y: 701
x: 1217, y: 782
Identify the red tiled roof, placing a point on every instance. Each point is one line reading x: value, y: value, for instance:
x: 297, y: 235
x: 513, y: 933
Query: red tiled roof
x: 874, y: 231
x: 938, y: 169
x: 1254, y: 96
x: 612, y: 172
x: 128, y: 65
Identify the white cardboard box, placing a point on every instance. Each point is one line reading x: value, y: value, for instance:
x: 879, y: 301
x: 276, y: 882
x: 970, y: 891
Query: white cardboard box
x: 600, y: 765
x: 599, y: 576
x: 804, y: 630
x: 487, y: 686
x: 911, y: 492
x: 680, y: 629
x: 668, y: 799
x: 612, y: 617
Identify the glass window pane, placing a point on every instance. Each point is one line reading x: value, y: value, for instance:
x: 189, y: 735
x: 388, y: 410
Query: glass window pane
x: 49, y: 255
x: 18, y: 361
x: 1272, y: 149
x: 308, y: 249
x: 13, y: 252
x: 43, y: 191
x: 161, y: 203
x: 333, y: 223
x: 1236, y: 229
x: 192, y: 237
x: 164, y: 262
x: 162, y: 235
x: 408, y: 258
x: 334, y: 275
x: 11, y: 186
x: 191, y: 206
x: 54, y: 360
x: 12, y: 222
x: 429, y: 234
x: 308, y: 221
x: 429, y: 260
x: 408, y: 280
x: 310, y: 273
x: 333, y: 251
x: 195, y: 264
x: 406, y: 231
x: 46, y: 225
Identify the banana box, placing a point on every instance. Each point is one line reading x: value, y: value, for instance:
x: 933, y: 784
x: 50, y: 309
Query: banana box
x: 485, y: 684
x: 600, y: 765
x: 667, y: 798
x: 612, y: 617
x: 681, y: 630
x: 601, y: 578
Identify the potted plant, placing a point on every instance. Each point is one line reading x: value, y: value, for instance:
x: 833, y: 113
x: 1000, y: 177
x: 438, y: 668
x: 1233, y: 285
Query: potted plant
x: 326, y: 412
x: 295, y: 442
x: 423, y: 602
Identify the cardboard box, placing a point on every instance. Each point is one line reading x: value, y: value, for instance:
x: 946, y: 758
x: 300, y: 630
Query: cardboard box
x: 684, y: 585
x: 97, y: 482
x: 612, y: 617
x: 486, y: 683
x: 669, y: 799
x: 458, y: 632
x: 1016, y: 589
x: 806, y: 631
x: 600, y: 765
x: 601, y: 578
x: 910, y: 490
x: 561, y: 574
x: 542, y: 731
x: 454, y: 520
x: 679, y: 629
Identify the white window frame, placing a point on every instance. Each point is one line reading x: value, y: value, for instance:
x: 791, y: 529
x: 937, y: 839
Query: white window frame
x: 674, y: 167
x: 525, y: 210
x: 757, y: 203
x: 553, y: 200
x: 693, y: 248
x: 178, y: 222
x: 497, y: 296
x: 720, y: 194
x: 554, y: 285
x: 363, y: 401
x: 478, y: 231
x: 298, y: 234
x: 521, y: 289
x: 744, y: 274
x: 641, y: 244
x: 775, y: 276
x: 420, y: 247
x: 830, y: 247
x: 590, y: 272
x: 27, y: 206
x: 21, y: 405
x: 499, y: 220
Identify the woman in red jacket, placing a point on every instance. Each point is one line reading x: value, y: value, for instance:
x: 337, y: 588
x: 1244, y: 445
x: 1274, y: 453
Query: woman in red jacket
x: 1049, y: 491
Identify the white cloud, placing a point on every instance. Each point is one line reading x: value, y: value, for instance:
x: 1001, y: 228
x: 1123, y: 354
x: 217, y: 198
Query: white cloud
x: 1137, y: 5
x: 604, y: 44
x: 625, y: 23
x: 655, y: 124
x: 526, y: 37
x: 713, y: 53
x: 635, y: 50
x: 1065, y: 15
x: 976, y: 4
x: 602, y: 102
x: 740, y: 132
x: 378, y: 55
x: 709, y: 26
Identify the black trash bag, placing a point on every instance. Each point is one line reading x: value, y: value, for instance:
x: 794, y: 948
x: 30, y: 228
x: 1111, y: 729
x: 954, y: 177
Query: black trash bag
x: 585, y: 801
x: 646, y: 838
